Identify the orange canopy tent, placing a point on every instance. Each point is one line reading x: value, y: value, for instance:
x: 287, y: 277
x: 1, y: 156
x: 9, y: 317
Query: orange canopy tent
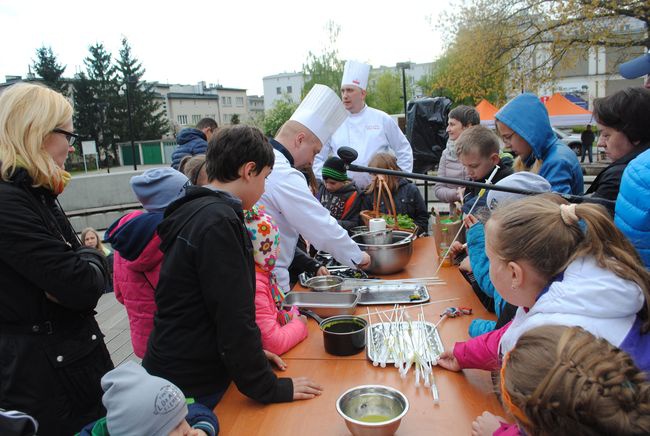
x: 487, y: 111
x: 562, y: 112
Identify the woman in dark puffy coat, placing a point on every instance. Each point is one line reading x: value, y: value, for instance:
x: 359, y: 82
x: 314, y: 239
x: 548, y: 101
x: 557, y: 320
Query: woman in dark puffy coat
x: 52, y: 353
x: 407, y: 197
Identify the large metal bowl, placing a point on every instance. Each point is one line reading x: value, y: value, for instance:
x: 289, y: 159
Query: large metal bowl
x: 388, y: 258
x: 372, y: 410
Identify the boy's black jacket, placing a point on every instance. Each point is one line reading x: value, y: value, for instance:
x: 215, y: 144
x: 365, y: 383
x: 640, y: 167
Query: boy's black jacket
x: 204, y: 332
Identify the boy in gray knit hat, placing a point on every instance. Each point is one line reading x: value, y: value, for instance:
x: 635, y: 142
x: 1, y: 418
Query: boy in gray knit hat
x: 140, y: 404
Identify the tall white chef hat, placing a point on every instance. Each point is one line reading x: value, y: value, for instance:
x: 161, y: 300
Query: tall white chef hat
x: 321, y: 111
x: 356, y: 73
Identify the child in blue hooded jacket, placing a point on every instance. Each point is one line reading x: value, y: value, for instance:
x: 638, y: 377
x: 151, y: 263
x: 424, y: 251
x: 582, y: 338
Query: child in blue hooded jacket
x: 524, y: 125
x: 478, y: 260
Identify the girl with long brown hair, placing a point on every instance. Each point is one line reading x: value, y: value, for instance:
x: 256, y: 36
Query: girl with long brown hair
x: 563, y: 264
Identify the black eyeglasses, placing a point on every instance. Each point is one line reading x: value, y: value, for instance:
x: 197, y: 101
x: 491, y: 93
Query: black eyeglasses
x: 71, y: 137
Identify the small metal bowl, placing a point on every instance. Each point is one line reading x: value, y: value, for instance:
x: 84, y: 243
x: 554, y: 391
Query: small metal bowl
x: 325, y: 283
x: 372, y: 410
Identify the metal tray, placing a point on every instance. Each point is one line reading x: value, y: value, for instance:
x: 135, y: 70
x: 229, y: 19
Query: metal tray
x: 384, y: 340
x: 340, y: 271
x: 323, y: 304
x: 392, y: 294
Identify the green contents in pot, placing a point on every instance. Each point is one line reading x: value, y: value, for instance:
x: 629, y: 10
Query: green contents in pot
x: 449, y: 221
x: 374, y: 418
x: 343, y: 326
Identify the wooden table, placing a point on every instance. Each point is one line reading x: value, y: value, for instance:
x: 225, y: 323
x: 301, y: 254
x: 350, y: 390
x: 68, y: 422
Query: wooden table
x: 463, y: 396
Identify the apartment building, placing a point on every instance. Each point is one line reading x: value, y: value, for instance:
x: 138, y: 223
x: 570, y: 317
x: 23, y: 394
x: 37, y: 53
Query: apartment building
x: 283, y: 86
x: 185, y: 105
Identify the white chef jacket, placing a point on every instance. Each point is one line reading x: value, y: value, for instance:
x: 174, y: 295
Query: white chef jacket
x: 296, y: 211
x: 368, y: 132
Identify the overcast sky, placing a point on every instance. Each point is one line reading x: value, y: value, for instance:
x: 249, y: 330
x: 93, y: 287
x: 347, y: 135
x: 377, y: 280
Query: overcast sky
x: 232, y: 42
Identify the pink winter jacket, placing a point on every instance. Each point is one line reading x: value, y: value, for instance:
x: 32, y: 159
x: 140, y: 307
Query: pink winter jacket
x: 451, y: 167
x: 481, y: 352
x: 134, y: 284
x: 276, y: 338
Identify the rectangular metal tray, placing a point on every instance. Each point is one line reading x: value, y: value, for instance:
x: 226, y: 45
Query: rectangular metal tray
x: 384, y: 340
x: 392, y: 294
x: 323, y: 304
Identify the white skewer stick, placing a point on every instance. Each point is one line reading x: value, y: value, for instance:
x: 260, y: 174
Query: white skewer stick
x: 372, y: 339
x: 414, y: 306
x: 480, y: 194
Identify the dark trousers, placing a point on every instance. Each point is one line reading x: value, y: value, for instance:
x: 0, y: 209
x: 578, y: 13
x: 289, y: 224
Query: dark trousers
x: 586, y: 148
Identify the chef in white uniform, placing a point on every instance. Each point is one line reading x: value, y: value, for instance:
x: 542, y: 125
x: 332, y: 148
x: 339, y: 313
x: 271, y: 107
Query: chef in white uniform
x: 287, y: 197
x: 367, y: 130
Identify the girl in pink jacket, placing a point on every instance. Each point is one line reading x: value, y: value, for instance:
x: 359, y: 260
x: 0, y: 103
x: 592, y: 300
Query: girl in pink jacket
x: 137, y: 258
x: 281, y: 329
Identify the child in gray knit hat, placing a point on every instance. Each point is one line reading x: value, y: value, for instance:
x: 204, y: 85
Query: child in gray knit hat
x: 140, y: 404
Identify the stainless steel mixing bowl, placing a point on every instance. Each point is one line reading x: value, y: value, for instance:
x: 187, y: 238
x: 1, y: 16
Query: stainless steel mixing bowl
x: 372, y: 410
x: 388, y: 258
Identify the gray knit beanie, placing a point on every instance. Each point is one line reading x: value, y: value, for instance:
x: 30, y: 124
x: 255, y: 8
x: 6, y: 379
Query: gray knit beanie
x: 521, y: 180
x: 156, y: 188
x: 141, y: 404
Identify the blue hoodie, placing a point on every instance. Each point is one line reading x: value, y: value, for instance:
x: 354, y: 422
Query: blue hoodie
x: 527, y: 116
x: 190, y: 142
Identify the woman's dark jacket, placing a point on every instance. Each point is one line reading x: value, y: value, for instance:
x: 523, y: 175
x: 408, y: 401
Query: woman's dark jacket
x: 408, y: 201
x: 204, y: 331
x: 608, y: 181
x: 52, y: 354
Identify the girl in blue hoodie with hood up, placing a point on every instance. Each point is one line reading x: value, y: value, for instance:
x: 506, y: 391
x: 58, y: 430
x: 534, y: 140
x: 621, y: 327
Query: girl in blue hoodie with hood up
x: 524, y: 125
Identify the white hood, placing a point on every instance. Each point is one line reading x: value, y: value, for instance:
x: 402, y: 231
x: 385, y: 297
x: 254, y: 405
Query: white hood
x: 588, y: 296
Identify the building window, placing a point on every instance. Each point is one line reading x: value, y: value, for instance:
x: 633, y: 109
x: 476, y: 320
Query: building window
x: 278, y: 90
x: 182, y: 120
x: 289, y: 89
x: 226, y: 118
x: 239, y: 101
x: 196, y: 119
x: 226, y: 101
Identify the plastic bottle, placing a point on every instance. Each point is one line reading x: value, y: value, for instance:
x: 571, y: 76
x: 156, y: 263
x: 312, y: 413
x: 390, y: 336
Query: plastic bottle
x: 443, y: 247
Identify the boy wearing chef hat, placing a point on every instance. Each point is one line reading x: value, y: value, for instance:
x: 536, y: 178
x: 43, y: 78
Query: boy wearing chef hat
x: 287, y: 197
x: 367, y: 130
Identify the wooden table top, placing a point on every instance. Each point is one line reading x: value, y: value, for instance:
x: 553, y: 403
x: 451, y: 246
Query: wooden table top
x: 463, y: 396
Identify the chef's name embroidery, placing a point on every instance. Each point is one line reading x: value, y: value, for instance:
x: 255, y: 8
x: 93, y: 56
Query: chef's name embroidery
x: 371, y: 127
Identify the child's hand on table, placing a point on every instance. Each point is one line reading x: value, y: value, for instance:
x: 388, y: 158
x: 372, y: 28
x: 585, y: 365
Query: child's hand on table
x: 486, y: 424
x: 448, y: 361
x: 305, y: 389
x: 276, y: 360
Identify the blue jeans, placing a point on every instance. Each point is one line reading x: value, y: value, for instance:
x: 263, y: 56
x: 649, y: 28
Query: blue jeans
x: 586, y: 148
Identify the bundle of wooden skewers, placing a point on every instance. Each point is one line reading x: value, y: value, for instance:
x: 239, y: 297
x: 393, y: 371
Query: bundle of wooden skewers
x: 408, y: 344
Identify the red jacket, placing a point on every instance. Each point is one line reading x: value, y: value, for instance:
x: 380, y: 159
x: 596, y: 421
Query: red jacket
x: 276, y: 338
x: 134, y: 284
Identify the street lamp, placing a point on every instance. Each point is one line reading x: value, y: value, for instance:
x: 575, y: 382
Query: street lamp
x: 404, y: 66
x: 129, y: 81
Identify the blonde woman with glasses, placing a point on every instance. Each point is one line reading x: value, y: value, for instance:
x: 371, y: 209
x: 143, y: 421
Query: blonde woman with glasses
x: 52, y: 352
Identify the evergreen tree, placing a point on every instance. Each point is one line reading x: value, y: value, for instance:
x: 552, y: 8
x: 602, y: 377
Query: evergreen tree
x: 148, y: 117
x: 97, y: 98
x: 234, y: 119
x: 49, y: 69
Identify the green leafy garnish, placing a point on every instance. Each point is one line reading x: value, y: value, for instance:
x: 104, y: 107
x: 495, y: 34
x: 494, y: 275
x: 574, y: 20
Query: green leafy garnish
x: 403, y: 221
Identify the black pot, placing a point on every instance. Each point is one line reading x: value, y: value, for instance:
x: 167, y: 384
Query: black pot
x: 343, y: 335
